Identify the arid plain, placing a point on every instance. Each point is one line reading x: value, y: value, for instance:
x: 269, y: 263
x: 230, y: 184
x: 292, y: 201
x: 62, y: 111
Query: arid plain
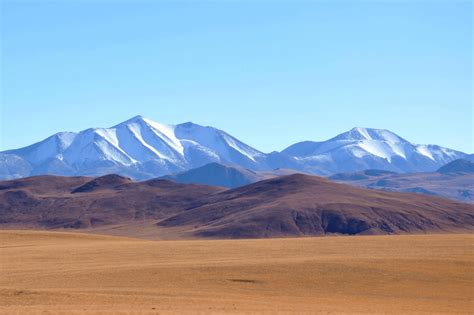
x: 68, y: 273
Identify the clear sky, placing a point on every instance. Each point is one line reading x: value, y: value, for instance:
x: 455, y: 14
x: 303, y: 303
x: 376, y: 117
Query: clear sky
x: 271, y: 73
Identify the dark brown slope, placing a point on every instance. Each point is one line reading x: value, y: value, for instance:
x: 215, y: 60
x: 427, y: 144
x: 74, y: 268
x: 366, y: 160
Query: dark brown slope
x: 44, y: 184
x: 82, y: 202
x: 294, y: 205
x: 298, y: 205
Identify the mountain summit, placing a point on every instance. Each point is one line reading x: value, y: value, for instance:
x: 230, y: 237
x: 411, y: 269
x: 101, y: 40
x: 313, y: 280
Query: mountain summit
x: 138, y: 147
x: 365, y: 148
x: 359, y: 133
x: 142, y: 148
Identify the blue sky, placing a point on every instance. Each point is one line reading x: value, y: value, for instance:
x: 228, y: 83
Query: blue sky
x: 271, y: 73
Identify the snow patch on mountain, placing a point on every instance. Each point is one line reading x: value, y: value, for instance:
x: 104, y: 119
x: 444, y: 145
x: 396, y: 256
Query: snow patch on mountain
x: 364, y: 148
x: 142, y: 148
x: 424, y: 150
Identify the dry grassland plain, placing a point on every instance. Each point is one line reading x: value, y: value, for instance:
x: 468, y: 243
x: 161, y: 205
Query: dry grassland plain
x: 67, y: 273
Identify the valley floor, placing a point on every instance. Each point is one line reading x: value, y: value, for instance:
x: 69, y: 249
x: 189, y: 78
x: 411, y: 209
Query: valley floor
x: 71, y: 273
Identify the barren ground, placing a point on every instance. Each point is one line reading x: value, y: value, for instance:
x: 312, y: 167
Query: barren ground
x: 71, y: 273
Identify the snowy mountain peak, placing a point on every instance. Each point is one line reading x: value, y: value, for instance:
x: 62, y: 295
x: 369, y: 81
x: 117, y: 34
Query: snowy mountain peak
x: 369, y: 148
x: 359, y: 133
x: 134, y: 120
x: 138, y: 147
x: 142, y: 148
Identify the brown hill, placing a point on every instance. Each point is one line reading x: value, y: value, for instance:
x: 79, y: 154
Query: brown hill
x: 104, y: 182
x: 294, y: 205
x: 299, y: 205
x: 82, y: 202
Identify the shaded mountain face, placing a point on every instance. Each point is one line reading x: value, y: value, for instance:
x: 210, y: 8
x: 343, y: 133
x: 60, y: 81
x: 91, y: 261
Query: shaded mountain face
x: 298, y: 205
x: 458, y: 166
x: 367, y: 174
x: 141, y: 148
x: 215, y: 174
x: 449, y: 183
x: 293, y: 205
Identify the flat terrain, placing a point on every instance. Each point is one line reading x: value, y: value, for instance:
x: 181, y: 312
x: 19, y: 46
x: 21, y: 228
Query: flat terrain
x: 73, y: 273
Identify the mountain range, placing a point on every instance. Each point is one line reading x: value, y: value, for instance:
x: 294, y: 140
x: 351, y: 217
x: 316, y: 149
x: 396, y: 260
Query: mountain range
x: 141, y: 148
x: 292, y: 205
x: 215, y: 174
x: 455, y: 181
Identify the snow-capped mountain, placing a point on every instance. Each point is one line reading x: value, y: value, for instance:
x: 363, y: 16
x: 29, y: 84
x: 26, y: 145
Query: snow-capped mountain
x: 142, y: 148
x: 363, y: 148
x: 138, y: 147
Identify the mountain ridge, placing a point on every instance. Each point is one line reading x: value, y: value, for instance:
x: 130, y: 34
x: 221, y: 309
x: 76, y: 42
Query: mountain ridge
x: 455, y: 184
x: 293, y: 205
x: 141, y: 148
x: 457, y: 166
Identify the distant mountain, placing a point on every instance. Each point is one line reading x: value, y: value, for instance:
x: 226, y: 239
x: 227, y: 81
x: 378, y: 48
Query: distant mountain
x: 453, y: 184
x: 215, y: 174
x: 141, y: 148
x: 469, y: 157
x: 458, y: 166
x: 360, y: 175
x: 362, y: 148
x: 293, y: 205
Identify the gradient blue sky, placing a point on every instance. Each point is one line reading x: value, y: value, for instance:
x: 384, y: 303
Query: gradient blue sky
x: 271, y: 73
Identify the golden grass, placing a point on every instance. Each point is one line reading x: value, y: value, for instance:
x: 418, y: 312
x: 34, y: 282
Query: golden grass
x: 73, y: 273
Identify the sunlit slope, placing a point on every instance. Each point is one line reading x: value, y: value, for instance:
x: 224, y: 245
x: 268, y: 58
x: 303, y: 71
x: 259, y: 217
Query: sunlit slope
x: 85, y: 273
